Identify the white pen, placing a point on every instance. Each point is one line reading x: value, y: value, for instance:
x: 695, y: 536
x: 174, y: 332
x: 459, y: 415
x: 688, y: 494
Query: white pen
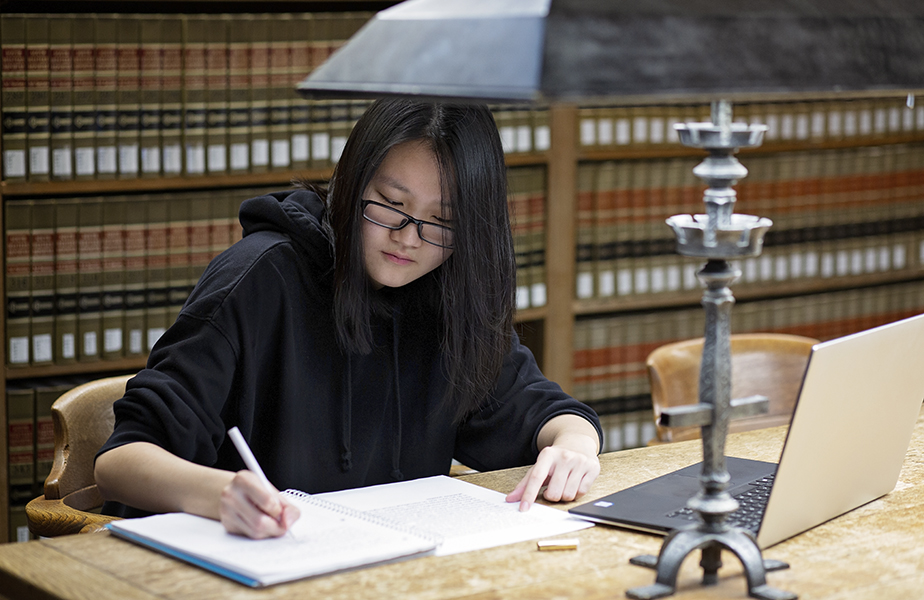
x: 251, y: 461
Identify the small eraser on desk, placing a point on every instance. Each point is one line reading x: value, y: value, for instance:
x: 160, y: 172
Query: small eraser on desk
x: 561, y: 544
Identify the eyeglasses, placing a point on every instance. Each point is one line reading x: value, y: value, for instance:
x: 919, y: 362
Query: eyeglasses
x: 391, y: 218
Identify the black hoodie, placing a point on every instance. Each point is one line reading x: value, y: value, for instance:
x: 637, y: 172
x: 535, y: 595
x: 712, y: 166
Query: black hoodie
x: 255, y: 346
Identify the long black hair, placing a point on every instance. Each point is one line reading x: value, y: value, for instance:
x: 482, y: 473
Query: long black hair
x: 474, y: 288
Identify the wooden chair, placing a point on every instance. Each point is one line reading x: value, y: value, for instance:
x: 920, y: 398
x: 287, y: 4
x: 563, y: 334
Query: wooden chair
x: 83, y: 420
x: 768, y: 364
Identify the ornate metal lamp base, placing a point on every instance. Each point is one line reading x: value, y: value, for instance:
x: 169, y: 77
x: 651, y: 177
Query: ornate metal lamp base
x: 681, y: 542
x: 719, y: 236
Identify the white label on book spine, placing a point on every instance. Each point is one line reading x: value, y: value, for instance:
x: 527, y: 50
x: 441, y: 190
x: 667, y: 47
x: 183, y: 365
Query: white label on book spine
x: 690, y: 281
x: 781, y: 269
x: 834, y: 123
x: 320, y: 146
x: 895, y: 119
x: 908, y: 120
x: 827, y: 265
x: 508, y: 139
x: 173, y: 159
x: 850, y: 123
x: 856, y: 262
x: 884, y: 263
x: 657, y: 130
x: 522, y: 297
x: 84, y: 162
x: 898, y: 256
x: 919, y: 117
x: 607, y: 283
x: 866, y: 122
x: 672, y: 136
x: 802, y: 127
x: 750, y: 269
x: 880, y: 121
x: 128, y: 159
x: 150, y: 160
x: 106, y: 159
x: 624, y: 282
x: 588, y: 130
x: 259, y: 153
x: 871, y: 260
x: 112, y: 340
x: 605, y: 131
x: 14, y: 163
x: 640, y: 130
x: 19, y: 350
x: 772, y: 122
x: 154, y: 334
x: 135, y: 344
x: 818, y: 124
x: 538, y: 294
x: 642, y: 284
x: 195, y: 158
x: 524, y: 138
x: 842, y: 266
x: 543, y: 138
x: 218, y: 158
x: 811, y: 264
x: 796, y: 262
x: 300, y: 147
x: 585, y: 285
x: 658, y: 280
x: 68, y: 346
x: 279, y: 153
x: 623, y: 132
x: 673, y: 278
x: 61, y: 166
x: 90, y: 344
x: 240, y: 157
x: 39, y: 164
x: 787, y: 127
x: 41, y: 347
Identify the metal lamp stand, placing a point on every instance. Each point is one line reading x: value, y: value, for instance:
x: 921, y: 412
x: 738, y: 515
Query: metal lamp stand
x: 718, y: 236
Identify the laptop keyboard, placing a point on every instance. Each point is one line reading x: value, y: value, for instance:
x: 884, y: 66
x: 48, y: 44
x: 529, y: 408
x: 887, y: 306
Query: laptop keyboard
x: 752, y: 503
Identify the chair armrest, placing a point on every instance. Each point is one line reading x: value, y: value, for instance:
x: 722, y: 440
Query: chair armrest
x: 68, y: 515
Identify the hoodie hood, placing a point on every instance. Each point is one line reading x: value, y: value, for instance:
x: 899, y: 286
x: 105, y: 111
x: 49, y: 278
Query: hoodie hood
x: 300, y: 214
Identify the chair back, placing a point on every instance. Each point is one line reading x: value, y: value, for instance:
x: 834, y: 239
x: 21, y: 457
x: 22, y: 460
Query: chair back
x: 83, y: 421
x: 766, y: 364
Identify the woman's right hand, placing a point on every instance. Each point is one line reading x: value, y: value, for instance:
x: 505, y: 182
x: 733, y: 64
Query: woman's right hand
x: 248, y: 508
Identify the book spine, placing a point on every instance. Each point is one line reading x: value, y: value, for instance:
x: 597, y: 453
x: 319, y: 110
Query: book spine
x: 194, y: 94
x: 42, y: 269
x: 279, y: 93
x: 299, y: 112
x: 13, y: 96
x: 238, y: 94
x: 20, y: 443
x: 135, y: 300
x: 220, y: 218
x: 65, y: 322
x: 151, y: 83
x: 18, y: 280
x: 171, y: 95
x: 200, y: 238
x: 536, y: 182
x: 84, y: 96
x: 106, y: 89
x: 89, y: 278
x: 113, y: 278
x: 128, y: 95
x: 518, y: 207
x: 61, y: 66
x: 156, y: 226
x: 38, y: 99
x: 320, y: 37
x: 258, y: 82
x: 216, y: 69
x: 178, y: 271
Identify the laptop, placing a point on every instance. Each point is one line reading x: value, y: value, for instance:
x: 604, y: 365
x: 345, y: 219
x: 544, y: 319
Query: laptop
x: 859, y: 400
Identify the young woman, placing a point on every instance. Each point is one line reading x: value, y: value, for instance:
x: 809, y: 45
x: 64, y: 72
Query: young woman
x: 356, y: 337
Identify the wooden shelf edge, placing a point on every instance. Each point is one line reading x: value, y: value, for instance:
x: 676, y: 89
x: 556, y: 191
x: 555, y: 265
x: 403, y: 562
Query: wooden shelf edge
x: 87, y: 368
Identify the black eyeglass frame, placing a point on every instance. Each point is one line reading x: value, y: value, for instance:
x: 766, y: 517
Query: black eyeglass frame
x: 408, y: 219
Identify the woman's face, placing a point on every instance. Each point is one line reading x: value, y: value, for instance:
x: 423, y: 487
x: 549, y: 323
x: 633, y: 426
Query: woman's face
x: 408, y: 180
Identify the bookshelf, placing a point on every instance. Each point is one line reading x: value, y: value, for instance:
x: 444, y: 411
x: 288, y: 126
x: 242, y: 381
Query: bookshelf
x: 568, y: 324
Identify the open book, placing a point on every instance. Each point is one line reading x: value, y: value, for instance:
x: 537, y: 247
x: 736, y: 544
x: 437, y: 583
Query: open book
x: 353, y: 528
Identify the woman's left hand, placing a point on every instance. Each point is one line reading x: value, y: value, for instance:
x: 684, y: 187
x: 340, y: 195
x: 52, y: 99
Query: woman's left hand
x: 567, y: 467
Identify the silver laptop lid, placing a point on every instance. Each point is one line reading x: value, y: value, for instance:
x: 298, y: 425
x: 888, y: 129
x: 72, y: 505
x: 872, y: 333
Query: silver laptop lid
x: 860, y: 398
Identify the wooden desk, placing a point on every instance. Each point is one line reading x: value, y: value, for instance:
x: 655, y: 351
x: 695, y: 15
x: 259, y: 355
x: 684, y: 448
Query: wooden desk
x: 871, y: 553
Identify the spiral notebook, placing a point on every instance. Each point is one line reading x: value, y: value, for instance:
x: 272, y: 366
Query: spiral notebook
x: 356, y: 528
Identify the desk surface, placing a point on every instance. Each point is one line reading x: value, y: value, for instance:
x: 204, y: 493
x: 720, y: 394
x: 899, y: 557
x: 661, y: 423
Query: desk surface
x: 873, y: 552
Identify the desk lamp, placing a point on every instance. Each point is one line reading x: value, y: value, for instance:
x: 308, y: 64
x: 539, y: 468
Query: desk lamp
x: 645, y: 51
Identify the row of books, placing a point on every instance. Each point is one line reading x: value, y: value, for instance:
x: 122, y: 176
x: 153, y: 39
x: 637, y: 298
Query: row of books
x: 121, y: 95
x: 610, y: 351
x: 846, y: 119
x: 102, y: 277
x: 527, y: 204
x: 627, y: 429
x: 129, y: 96
x: 835, y: 213
x: 30, y: 442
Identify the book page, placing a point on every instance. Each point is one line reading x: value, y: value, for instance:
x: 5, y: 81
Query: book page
x: 467, y: 516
